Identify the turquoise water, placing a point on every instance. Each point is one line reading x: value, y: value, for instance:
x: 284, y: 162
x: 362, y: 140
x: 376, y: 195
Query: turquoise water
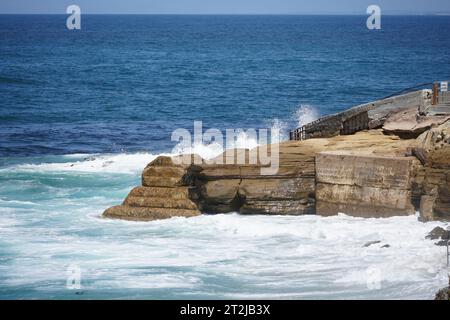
x: 82, y: 113
x: 51, y: 220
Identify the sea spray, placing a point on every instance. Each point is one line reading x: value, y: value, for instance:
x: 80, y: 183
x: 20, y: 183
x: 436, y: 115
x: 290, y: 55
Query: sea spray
x: 135, y: 162
x: 211, y: 149
x: 305, y: 114
x: 128, y: 163
x: 232, y: 139
x: 281, y: 127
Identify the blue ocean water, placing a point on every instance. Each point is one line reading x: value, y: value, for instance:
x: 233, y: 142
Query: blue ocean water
x: 123, y: 83
x: 82, y: 112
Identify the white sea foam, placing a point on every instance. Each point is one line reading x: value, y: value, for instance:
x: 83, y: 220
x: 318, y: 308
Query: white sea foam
x: 114, y: 163
x: 133, y: 163
x: 211, y: 256
x: 306, y: 114
x: 302, y: 116
x: 129, y: 163
x: 281, y: 129
x: 211, y: 150
x: 228, y: 256
x: 16, y: 202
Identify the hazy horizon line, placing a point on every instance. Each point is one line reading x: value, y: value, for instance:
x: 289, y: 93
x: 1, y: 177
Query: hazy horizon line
x: 391, y: 13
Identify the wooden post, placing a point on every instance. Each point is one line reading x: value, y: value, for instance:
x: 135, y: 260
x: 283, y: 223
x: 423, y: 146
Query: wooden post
x: 435, y: 100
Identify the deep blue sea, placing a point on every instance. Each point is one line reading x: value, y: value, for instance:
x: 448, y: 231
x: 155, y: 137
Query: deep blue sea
x: 82, y: 112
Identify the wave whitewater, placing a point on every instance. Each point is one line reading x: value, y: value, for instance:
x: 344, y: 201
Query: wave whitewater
x: 132, y: 163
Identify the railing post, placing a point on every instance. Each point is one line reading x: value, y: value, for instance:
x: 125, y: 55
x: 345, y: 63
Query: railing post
x: 435, y: 99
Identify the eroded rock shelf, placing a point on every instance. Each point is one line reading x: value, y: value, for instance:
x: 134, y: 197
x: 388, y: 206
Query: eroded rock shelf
x: 372, y: 173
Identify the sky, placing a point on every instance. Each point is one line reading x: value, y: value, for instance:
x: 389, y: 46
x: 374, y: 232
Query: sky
x: 227, y: 6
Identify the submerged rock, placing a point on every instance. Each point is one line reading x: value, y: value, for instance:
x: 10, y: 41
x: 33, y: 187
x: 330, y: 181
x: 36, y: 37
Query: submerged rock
x: 368, y: 244
x: 442, y: 243
x: 125, y: 212
x: 438, y: 233
x: 441, y: 234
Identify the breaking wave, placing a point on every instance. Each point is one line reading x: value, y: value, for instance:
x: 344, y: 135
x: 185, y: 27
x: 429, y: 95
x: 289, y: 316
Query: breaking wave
x: 132, y: 163
x: 306, y: 114
x: 302, y: 116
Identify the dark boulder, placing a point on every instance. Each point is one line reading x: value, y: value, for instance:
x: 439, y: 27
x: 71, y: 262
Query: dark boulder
x: 438, y: 233
x: 441, y: 234
x: 368, y: 244
x: 443, y: 294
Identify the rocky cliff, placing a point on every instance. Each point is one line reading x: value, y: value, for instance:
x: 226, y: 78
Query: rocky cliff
x: 372, y: 173
x: 433, y: 178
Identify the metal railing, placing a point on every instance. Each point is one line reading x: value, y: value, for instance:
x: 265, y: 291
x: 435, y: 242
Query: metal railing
x: 298, y: 134
x: 440, y: 96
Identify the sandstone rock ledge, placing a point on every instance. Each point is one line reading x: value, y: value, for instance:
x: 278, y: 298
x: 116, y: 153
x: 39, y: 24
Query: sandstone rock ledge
x: 167, y: 191
x: 372, y: 173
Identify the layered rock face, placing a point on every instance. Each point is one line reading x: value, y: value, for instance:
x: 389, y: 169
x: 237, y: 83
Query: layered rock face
x: 167, y: 190
x: 294, y: 190
x: 170, y: 189
x: 359, y: 185
x: 242, y: 188
x: 433, y: 179
x: 373, y: 173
